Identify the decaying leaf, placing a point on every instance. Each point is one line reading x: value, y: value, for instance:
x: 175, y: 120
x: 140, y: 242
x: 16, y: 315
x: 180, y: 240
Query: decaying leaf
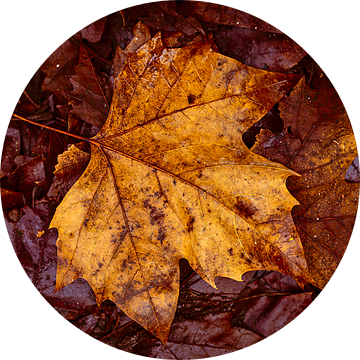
x: 223, y: 15
x: 169, y: 178
x: 319, y: 144
x: 141, y: 36
x: 90, y: 96
x: 94, y: 31
x: 59, y: 65
x: 212, y: 336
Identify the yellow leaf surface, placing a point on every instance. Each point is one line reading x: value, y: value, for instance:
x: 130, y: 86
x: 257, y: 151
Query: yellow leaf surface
x: 169, y: 177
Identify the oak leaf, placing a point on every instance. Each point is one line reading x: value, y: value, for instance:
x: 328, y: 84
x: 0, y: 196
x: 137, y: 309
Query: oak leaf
x: 169, y: 177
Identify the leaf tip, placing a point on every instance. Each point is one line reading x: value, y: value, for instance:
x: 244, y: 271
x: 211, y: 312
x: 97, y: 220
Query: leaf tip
x: 161, y: 332
x: 163, y: 340
x: 58, y: 286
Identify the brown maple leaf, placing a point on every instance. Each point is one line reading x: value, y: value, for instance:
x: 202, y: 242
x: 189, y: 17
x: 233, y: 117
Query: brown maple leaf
x: 320, y: 147
x: 169, y: 177
x: 90, y: 96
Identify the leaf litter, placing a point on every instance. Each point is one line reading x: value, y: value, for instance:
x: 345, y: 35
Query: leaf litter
x: 73, y: 309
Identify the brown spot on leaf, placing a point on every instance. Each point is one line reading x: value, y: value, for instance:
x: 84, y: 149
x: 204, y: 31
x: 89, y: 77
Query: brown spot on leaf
x: 161, y: 235
x: 191, y: 99
x: 156, y: 215
x: 190, y: 224
x: 244, y: 208
x: 158, y: 194
x: 230, y: 75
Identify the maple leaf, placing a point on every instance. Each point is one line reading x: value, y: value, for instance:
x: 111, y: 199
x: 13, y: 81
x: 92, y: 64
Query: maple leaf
x: 90, y: 95
x: 141, y: 36
x: 169, y: 177
x: 59, y: 65
x: 259, y: 44
x: 320, y: 147
x: 94, y: 31
x: 223, y: 15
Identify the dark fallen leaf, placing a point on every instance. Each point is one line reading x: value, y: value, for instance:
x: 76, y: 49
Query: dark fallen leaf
x: 223, y: 15
x: 270, y: 51
x: 75, y: 125
x: 33, y: 91
x: 116, y: 32
x: 90, y: 97
x: 29, y: 137
x: 319, y: 144
x: 46, y: 115
x: 11, y: 149
x: 58, y: 66
x: 212, y: 336
x: 11, y: 199
x: 266, y: 315
x: 189, y: 26
x: 24, y: 178
x: 38, y: 256
x: 271, y: 121
x: 16, y: 189
x: 163, y: 16
x: 22, y: 159
x: 94, y: 31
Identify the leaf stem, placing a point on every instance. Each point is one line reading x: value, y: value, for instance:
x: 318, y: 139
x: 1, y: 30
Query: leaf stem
x: 56, y: 130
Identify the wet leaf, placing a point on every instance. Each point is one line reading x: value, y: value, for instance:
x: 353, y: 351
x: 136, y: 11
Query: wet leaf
x: 11, y: 149
x: 25, y: 184
x: 25, y: 177
x: 319, y: 144
x: 141, y: 36
x: 169, y: 178
x: 164, y: 16
x: 38, y: 256
x: 270, y: 51
x: 59, y: 65
x: 223, y: 15
x: 269, y: 302
x: 90, y: 95
x: 94, y: 31
x: 212, y: 336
